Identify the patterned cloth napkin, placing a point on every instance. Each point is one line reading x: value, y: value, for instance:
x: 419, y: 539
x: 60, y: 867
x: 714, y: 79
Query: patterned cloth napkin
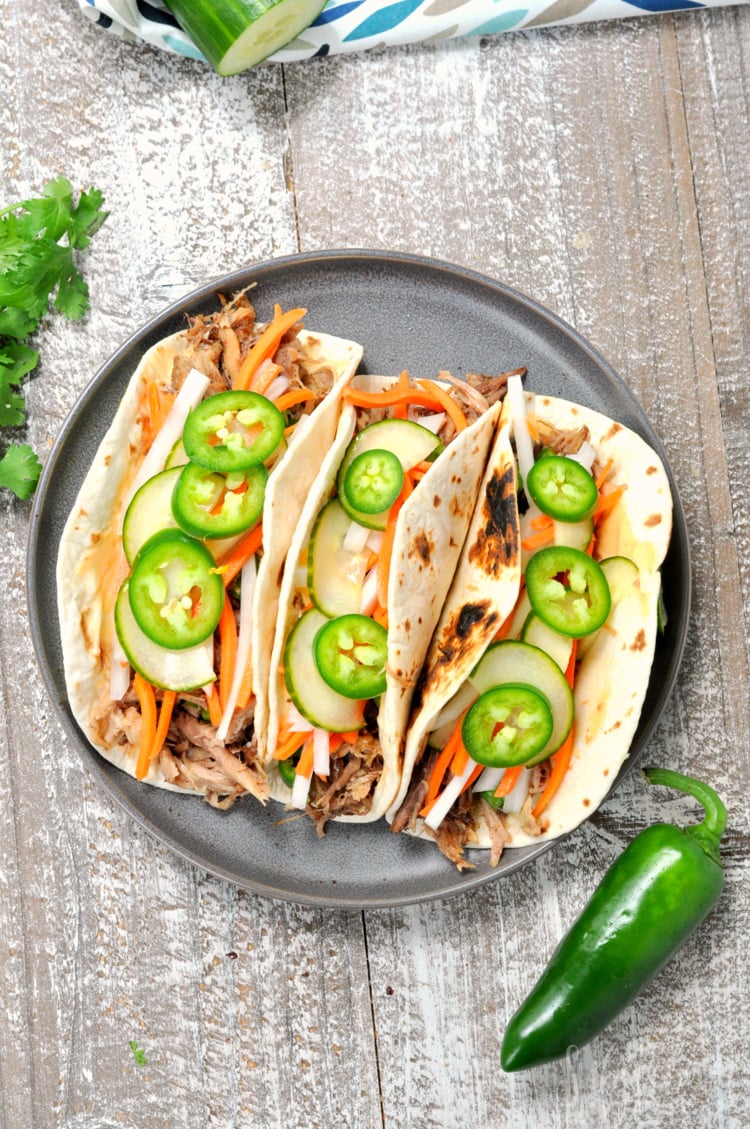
x: 354, y: 25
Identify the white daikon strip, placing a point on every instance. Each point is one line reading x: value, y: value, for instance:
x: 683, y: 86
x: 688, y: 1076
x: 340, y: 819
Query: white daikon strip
x: 296, y: 723
x: 489, y: 780
x: 119, y: 671
x: 445, y: 802
x: 375, y: 541
x: 520, y: 425
x: 277, y: 387
x: 585, y: 456
x: 514, y: 801
x: 355, y: 538
x: 242, y: 658
x: 300, y: 791
x: 433, y: 423
x: 369, y: 596
x: 189, y: 396
x: 321, y: 752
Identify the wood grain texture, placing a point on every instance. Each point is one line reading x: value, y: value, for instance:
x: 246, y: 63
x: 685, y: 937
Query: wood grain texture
x: 603, y: 170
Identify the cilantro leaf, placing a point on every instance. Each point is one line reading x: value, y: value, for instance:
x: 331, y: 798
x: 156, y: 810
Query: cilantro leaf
x: 138, y: 1052
x: 40, y: 239
x: 20, y: 470
x: 15, y: 362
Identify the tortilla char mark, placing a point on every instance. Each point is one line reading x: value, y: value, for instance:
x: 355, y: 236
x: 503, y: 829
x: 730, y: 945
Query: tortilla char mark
x: 471, y: 622
x: 496, y: 545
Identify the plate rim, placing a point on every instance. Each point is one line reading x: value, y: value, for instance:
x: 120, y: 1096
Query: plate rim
x: 231, y: 281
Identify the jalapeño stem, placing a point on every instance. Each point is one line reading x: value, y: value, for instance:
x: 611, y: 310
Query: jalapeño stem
x: 709, y: 831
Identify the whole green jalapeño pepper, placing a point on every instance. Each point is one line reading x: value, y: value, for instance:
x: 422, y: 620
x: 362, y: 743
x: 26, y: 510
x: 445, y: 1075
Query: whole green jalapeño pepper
x: 649, y: 902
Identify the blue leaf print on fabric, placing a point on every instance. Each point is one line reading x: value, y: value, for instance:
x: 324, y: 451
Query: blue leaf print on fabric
x: 385, y: 19
x: 329, y: 14
x: 183, y: 48
x: 500, y: 23
x: 656, y: 6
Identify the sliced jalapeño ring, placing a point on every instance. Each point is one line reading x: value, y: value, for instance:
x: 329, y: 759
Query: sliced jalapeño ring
x: 373, y: 480
x: 213, y: 504
x: 232, y: 430
x: 350, y: 653
x: 568, y: 590
x: 176, y: 596
x: 507, y: 725
x: 562, y: 488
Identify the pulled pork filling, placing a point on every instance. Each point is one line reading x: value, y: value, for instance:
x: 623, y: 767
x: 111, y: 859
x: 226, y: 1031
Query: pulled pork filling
x: 459, y: 829
x: 356, y: 768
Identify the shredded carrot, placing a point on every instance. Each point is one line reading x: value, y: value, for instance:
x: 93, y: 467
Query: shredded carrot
x: 289, y: 745
x: 560, y: 760
x: 307, y: 759
x: 460, y: 757
x: 419, y: 470
x: 386, y: 550
x: 168, y: 699
x: 400, y: 410
x: 447, y: 403
x: 267, y: 344
x: 214, y: 705
x: 147, y: 702
x: 439, y: 769
x: 232, y: 563
x: 296, y: 396
x: 608, y: 501
x: 389, y: 397
x: 474, y: 775
x: 380, y: 615
x: 350, y: 737
x: 541, y: 521
x: 509, y: 781
x: 228, y: 639
x: 531, y: 424
x: 537, y: 540
x: 245, y: 692
x: 603, y: 475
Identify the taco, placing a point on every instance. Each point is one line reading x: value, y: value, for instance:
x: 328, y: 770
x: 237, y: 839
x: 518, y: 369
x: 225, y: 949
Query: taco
x: 367, y: 573
x: 168, y: 565
x: 536, y: 675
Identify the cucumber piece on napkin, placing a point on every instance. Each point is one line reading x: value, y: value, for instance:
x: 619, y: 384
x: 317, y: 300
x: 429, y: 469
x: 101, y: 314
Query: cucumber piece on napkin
x: 234, y: 35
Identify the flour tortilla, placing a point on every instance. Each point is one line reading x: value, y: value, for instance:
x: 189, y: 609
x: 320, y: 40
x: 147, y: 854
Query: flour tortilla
x: 91, y: 564
x: 430, y: 533
x: 612, y: 678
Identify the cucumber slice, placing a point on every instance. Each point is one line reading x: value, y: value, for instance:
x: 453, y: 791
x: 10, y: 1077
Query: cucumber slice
x: 538, y: 634
x: 622, y: 576
x: 309, y: 691
x: 408, y: 441
x: 574, y: 534
x: 169, y: 670
x: 334, y: 575
x: 235, y: 35
x: 177, y: 456
x: 515, y: 662
x: 149, y: 511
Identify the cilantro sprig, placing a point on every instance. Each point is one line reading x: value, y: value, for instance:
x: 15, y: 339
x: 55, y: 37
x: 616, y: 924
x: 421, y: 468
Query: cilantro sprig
x: 40, y: 242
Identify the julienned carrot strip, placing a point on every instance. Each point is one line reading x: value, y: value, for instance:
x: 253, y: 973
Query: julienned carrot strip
x: 147, y: 702
x: 531, y: 424
x: 608, y: 501
x: 475, y: 774
x: 228, y: 638
x: 307, y: 759
x: 448, y: 404
x: 296, y: 396
x: 419, y: 470
x: 603, y: 474
x: 543, y: 537
x: 289, y: 745
x: 509, y: 781
x: 168, y: 699
x: 214, y: 705
x: 231, y: 563
x: 400, y: 410
x: 440, y: 766
x: 245, y: 692
x: 267, y: 344
x: 560, y: 760
x: 541, y: 521
x: 386, y: 549
x: 460, y: 757
x: 390, y: 397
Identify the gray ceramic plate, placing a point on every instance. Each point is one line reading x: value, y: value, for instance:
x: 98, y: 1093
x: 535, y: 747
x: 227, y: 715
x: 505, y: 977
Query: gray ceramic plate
x: 409, y: 313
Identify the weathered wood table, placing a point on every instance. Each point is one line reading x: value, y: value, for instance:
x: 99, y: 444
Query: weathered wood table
x: 603, y: 170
